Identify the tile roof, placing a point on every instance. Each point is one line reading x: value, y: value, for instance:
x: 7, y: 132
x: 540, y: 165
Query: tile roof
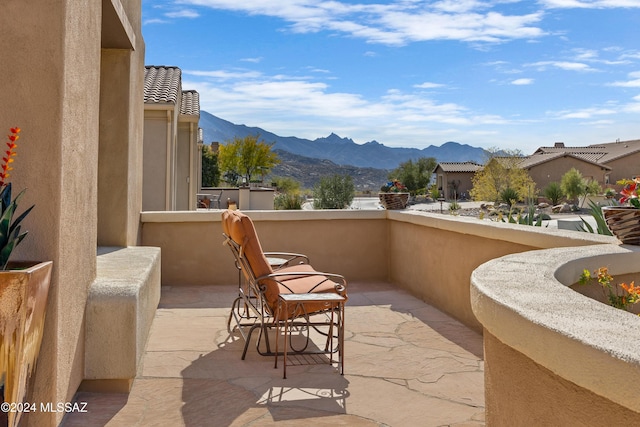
x: 190, y: 104
x: 599, y: 153
x: 459, y: 166
x: 537, y: 159
x: 162, y: 84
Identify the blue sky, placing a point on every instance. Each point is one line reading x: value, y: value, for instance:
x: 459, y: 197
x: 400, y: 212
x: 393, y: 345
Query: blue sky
x: 410, y: 73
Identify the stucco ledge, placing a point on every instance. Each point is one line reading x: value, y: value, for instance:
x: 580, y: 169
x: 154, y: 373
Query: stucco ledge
x: 525, y: 302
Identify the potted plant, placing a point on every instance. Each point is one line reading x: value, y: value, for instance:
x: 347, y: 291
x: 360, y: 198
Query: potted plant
x: 394, y: 195
x: 24, y: 287
x: 624, y: 220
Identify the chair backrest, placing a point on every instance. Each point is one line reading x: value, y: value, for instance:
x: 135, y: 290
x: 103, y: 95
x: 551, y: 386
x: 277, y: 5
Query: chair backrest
x: 240, y: 229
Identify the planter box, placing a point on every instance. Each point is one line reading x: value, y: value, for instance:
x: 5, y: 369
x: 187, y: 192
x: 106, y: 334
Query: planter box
x: 624, y: 223
x: 394, y: 200
x: 23, y: 301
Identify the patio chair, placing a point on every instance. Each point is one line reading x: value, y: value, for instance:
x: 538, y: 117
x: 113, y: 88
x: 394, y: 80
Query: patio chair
x: 261, y: 305
x: 214, y: 199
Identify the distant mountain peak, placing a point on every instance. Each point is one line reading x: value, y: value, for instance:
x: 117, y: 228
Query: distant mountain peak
x: 335, y: 139
x: 342, y: 151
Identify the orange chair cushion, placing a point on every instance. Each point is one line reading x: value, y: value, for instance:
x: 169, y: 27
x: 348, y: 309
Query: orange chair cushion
x: 240, y: 228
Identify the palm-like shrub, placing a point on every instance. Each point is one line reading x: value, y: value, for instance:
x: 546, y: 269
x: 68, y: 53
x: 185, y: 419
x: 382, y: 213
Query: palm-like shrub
x: 553, y: 192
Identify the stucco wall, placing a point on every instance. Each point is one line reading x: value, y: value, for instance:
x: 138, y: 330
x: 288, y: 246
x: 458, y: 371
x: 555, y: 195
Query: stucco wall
x: 155, y: 160
x: 193, y: 253
x: 552, y: 171
x: 520, y: 392
x: 50, y: 87
x: 430, y: 255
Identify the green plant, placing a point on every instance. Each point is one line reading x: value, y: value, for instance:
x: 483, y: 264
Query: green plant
x: 454, y: 207
x: 244, y: 158
x: 553, y: 192
x: 210, y: 169
x: 620, y: 296
x: 573, y: 184
x: 530, y: 218
x: 10, y: 228
x: 609, y: 193
x: 334, y: 192
x: 288, y: 201
x: 509, y: 196
x: 434, y: 192
x: 601, y: 224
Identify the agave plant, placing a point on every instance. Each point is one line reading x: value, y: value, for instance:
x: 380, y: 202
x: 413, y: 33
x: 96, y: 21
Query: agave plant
x: 10, y: 229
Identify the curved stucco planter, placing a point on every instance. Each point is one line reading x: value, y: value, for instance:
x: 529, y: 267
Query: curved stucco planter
x: 525, y: 302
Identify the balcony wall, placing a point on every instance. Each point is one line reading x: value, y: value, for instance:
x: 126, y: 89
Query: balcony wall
x: 552, y: 355
x: 430, y: 255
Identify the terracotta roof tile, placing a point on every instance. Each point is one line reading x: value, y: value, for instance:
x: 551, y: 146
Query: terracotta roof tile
x: 190, y: 104
x: 162, y: 84
x: 459, y: 166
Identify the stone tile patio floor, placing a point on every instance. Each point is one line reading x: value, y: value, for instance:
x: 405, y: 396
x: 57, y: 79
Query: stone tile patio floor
x: 406, y: 364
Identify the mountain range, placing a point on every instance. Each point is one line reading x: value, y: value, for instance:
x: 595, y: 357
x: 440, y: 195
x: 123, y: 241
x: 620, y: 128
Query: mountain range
x: 341, y: 151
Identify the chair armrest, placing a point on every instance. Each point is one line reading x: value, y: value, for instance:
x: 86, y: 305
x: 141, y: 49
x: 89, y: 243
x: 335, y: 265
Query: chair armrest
x: 340, y: 281
x: 290, y: 257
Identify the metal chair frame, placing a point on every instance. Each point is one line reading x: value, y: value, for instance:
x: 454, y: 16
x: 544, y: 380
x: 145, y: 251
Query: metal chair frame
x: 251, y: 310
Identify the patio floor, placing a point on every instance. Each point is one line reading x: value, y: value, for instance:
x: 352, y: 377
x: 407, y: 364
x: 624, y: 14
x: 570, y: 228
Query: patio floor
x: 406, y: 364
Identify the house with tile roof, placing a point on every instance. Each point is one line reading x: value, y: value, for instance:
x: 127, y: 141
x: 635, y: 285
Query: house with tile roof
x: 454, y: 179
x: 547, y: 167
x: 172, y: 141
x: 622, y: 158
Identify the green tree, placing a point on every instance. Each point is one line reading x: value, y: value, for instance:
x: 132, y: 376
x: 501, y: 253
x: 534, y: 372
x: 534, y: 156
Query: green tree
x: 501, y: 171
x: 246, y: 157
x: 415, y: 175
x: 210, y: 170
x: 288, y: 194
x: 573, y: 184
x: 334, y: 192
x: 553, y: 192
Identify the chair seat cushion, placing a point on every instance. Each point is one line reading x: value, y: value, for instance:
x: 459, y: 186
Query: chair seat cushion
x: 299, y: 284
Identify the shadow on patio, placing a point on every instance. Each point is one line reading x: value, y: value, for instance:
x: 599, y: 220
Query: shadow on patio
x: 406, y: 363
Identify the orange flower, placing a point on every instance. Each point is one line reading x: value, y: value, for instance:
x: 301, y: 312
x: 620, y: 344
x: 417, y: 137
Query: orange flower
x: 10, y: 153
x: 631, y: 288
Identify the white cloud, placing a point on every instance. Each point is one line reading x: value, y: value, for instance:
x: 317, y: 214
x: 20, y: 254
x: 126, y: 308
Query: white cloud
x: 563, y: 65
x: 290, y: 105
x: 395, y: 23
x: 183, y: 13
x: 585, y: 113
x: 522, y: 82
x: 155, y: 21
x: 428, y: 85
x: 591, y: 4
x: 633, y: 82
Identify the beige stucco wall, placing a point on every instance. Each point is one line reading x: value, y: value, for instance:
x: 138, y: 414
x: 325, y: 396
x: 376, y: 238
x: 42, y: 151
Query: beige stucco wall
x: 184, y: 144
x: 625, y: 167
x: 157, y: 125
x: 430, y: 255
x: 51, y: 88
x: 193, y: 253
x: 464, y: 186
x: 577, y: 358
x: 520, y: 392
x: 552, y: 171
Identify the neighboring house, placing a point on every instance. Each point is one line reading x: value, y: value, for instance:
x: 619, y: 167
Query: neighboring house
x: 546, y: 168
x: 454, y: 179
x: 622, y: 158
x: 171, y: 141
